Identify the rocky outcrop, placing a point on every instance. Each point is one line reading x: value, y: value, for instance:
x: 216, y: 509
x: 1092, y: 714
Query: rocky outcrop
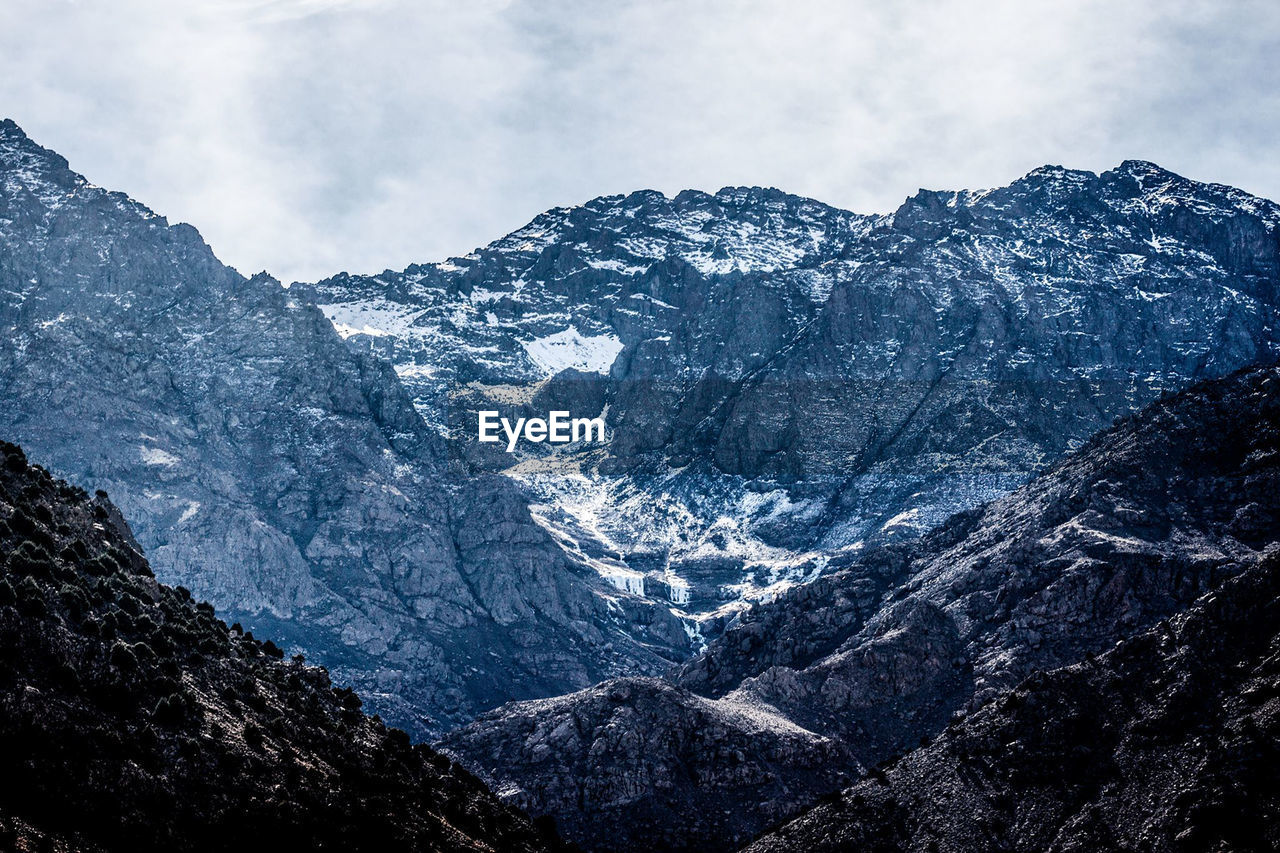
x: 1166, y: 742
x: 789, y: 387
x: 782, y: 379
x: 133, y: 719
x: 280, y: 475
x: 886, y: 651
x: 1128, y: 530
x: 619, y: 764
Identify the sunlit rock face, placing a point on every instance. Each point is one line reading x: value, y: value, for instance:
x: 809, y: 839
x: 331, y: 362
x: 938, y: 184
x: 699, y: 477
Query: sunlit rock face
x: 279, y: 474
x: 784, y: 381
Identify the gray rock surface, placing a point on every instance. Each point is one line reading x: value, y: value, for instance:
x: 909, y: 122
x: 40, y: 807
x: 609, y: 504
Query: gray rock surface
x: 784, y: 380
x: 788, y: 388
x: 1166, y: 742
x: 133, y: 720
x: 621, y: 764
x: 277, y: 473
x: 883, y: 653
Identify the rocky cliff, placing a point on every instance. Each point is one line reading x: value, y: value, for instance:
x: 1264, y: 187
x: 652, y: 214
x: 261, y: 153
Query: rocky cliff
x: 788, y: 388
x: 131, y: 718
x: 1166, y: 742
x: 783, y: 379
x: 1130, y: 530
x: 280, y: 475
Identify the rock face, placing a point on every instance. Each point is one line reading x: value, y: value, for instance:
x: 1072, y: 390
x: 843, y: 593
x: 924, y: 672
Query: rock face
x: 132, y: 719
x: 277, y: 473
x: 636, y: 753
x: 1167, y: 742
x: 782, y: 379
x: 1131, y: 530
x: 788, y: 387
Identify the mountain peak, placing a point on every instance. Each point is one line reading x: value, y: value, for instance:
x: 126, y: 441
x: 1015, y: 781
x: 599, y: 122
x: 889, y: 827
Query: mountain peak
x: 26, y: 165
x: 1151, y: 175
x: 1054, y: 176
x: 1161, y: 186
x: 1055, y: 170
x: 749, y: 194
x: 15, y: 144
x: 1142, y: 168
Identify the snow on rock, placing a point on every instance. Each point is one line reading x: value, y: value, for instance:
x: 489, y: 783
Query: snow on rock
x: 626, y: 581
x: 568, y: 349
x: 910, y: 518
x: 1058, y: 255
x: 156, y: 456
x: 375, y: 321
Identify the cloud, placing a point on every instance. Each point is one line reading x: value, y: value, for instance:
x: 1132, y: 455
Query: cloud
x: 309, y: 136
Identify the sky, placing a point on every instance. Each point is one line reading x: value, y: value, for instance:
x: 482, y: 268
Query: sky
x: 306, y: 137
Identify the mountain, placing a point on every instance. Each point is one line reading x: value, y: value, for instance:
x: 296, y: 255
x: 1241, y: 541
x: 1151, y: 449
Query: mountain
x: 783, y: 380
x: 881, y: 654
x: 279, y: 474
x: 635, y: 764
x: 133, y: 719
x: 787, y: 387
x: 1166, y: 742
x: 792, y: 394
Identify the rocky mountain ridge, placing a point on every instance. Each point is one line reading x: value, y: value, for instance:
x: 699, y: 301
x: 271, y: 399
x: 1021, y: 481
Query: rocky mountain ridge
x: 280, y: 475
x: 783, y: 380
x: 787, y: 386
x: 1166, y: 742
x: 133, y: 719
x: 1132, y: 529
x: 793, y: 394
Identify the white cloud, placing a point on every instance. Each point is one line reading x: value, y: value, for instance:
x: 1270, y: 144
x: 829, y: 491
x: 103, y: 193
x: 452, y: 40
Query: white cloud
x: 308, y: 136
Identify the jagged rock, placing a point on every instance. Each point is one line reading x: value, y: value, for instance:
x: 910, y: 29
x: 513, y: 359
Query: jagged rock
x: 619, y: 764
x: 783, y: 382
x: 277, y: 473
x: 883, y: 652
x: 1166, y: 742
x: 131, y: 719
x: 782, y: 376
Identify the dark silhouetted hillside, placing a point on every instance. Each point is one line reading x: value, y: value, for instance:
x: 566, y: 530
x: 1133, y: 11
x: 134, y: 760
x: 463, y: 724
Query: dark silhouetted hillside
x: 131, y: 718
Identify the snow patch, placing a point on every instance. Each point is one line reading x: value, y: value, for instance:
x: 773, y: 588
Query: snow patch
x: 156, y: 456
x: 375, y: 321
x: 910, y: 518
x: 624, y: 581
x: 568, y: 349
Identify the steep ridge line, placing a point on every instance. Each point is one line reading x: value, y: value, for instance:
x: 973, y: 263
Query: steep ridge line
x: 896, y: 644
x: 131, y: 718
x: 280, y: 475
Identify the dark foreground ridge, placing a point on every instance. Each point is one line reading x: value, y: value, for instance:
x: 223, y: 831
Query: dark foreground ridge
x: 133, y: 719
x: 1148, y: 520
x: 1168, y: 742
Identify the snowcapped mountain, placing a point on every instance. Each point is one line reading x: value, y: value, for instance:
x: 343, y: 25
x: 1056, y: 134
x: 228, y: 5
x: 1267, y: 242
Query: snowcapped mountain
x: 278, y: 474
x: 784, y: 381
x: 785, y: 385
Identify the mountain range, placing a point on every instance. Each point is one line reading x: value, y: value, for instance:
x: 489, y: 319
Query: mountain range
x: 784, y: 380
x: 279, y: 474
x: 1145, y: 522
x: 877, y: 491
